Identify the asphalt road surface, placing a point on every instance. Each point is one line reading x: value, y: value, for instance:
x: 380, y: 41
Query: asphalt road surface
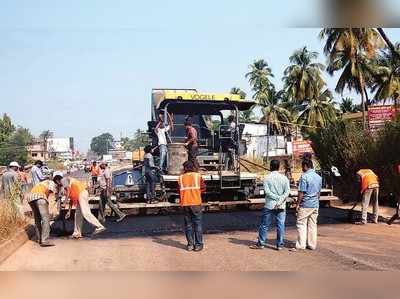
x: 157, y: 243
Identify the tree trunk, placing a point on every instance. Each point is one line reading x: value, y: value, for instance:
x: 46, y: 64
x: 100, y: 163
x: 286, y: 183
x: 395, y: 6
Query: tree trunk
x: 362, y: 87
x: 366, y: 97
x: 388, y: 42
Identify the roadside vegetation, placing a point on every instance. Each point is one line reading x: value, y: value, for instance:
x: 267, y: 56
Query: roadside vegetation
x: 348, y: 147
x: 11, y: 218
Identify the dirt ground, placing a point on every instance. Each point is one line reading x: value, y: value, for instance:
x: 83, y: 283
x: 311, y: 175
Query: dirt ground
x: 156, y: 243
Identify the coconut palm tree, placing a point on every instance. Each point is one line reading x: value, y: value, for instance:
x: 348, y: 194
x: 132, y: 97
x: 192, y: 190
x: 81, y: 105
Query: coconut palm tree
x: 386, y: 76
x: 394, y: 49
x: 304, y: 76
x: 347, y: 106
x: 259, y: 79
x: 274, y: 113
x: 318, y: 112
x: 244, y: 116
x: 238, y: 91
x: 349, y: 50
x: 247, y: 116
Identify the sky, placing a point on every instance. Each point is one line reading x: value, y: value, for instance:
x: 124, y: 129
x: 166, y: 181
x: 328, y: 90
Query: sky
x: 82, y: 68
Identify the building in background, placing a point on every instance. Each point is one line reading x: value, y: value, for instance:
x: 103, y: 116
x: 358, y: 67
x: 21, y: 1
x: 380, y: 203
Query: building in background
x: 61, y: 148
x: 57, y: 148
x: 37, y: 151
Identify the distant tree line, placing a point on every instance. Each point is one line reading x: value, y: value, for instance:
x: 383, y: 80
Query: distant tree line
x: 13, y: 142
x: 103, y: 143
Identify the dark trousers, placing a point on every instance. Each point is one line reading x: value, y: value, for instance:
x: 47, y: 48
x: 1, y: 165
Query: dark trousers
x: 150, y: 185
x: 40, y: 209
x: 193, y: 225
x: 94, y: 180
x: 104, y: 201
x: 193, y: 152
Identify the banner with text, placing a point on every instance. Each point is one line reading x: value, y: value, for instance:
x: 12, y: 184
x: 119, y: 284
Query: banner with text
x: 301, y: 146
x: 379, y: 115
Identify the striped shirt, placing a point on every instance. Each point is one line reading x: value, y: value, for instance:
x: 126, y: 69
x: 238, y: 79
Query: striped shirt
x: 42, y: 190
x: 277, y: 188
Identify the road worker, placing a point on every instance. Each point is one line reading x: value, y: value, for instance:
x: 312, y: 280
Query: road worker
x: 229, y: 146
x: 105, y: 183
x: 368, y: 185
x: 38, y: 200
x: 37, y: 173
x: 192, y: 143
x: 150, y: 174
x: 162, y: 130
x: 9, y: 179
x: 78, y: 195
x: 191, y: 187
x: 94, y: 172
x: 23, y: 178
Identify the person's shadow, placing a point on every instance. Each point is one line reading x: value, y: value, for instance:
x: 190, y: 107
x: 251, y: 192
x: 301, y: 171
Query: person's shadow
x: 270, y: 243
x: 246, y: 243
x: 169, y: 242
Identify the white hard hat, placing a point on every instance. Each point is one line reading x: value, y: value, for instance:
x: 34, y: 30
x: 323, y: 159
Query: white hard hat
x: 58, y: 173
x: 14, y: 164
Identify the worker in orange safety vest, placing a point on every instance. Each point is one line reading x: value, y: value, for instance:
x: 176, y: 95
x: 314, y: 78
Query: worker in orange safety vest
x: 94, y: 172
x: 78, y: 195
x: 191, y: 186
x: 369, y: 185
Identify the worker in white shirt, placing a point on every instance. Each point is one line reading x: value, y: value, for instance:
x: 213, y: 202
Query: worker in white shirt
x: 162, y: 131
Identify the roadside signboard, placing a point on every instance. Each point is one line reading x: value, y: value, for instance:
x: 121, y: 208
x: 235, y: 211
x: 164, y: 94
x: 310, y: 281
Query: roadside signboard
x: 379, y: 115
x: 300, y: 147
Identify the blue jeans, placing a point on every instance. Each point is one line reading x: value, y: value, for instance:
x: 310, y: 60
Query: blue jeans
x: 266, y: 221
x: 163, y: 157
x: 193, y: 225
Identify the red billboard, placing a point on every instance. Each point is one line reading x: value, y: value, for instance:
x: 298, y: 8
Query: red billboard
x: 301, y: 146
x: 379, y: 115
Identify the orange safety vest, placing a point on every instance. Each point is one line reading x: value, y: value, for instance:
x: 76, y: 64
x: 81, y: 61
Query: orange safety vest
x: 42, y: 189
x: 368, y: 178
x: 190, y: 189
x: 75, y: 189
x: 94, y: 171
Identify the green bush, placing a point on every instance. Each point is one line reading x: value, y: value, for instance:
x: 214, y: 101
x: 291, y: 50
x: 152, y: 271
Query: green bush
x: 345, y: 145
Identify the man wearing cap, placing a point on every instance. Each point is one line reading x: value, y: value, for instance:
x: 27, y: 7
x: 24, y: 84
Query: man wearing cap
x: 9, y: 178
x: 38, y: 200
